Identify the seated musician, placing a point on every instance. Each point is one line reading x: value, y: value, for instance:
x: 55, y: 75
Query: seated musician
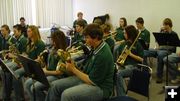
x: 145, y: 34
x: 8, y: 41
x: 173, y: 69
x: 96, y: 81
x: 119, y: 36
x: 34, y: 47
x: 107, y: 37
x: 58, y: 42
x: 161, y: 51
x: 134, y: 57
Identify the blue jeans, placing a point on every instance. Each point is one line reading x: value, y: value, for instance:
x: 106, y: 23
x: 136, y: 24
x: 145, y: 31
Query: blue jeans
x: 173, y: 59
x: 121, y: 74
x: 7, y: 80
x: 116, y: 52
x: 39, y: 88
x: 73, y: 89
x: 160, y: 54
x: 18, y: 84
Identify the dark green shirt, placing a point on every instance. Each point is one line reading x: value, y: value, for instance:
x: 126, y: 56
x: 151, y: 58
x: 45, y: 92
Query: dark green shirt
x: 53, y: 59
x: 74, y: 23
x: 5, y: 43
x: 1, y: 42
x: 100, y: 68
x: 35, y: 49
x: 120, y: 34
x: 137, y: 50
x: 78, y: 38
x: 145, y: 35
x: 109, y: 40
x: 21, y: 44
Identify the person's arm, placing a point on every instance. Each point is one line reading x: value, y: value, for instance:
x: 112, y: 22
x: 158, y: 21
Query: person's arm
x: 136, y: 57
x: 84, y: 77
x: 54, y: 72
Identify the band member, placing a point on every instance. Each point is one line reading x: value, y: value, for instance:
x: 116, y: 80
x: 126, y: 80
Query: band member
x: 107, y: 37
x: 134, y: 57
x: 145, y: 34
x: 96, y: 82
x: 173, y: 69
x: 23, y: 26
x: 161, y: 51
x: 58, y: 40
x: 119, y: 37
x: 34, y: 47
x: 7, y: 39
x: 120, y: 31
x: 80, y: 17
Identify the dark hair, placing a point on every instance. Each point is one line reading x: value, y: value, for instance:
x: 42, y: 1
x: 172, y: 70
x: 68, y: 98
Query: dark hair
x: 140, y: 20
x: 168, y: 21
x: 94, y: 31
x: 125, y: 22
x: 22, y: 18
x: 106, y: 28
x: 81, y: 23
x: 18, y: 27
x: 107, y: 16
x: 59, y: 39
x: 79, y: 13
x: 6, y: 27
x: 131, y: 32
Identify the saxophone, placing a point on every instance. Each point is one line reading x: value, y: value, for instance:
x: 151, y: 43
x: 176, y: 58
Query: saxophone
x: 42, y: 58
x: 124, y: 54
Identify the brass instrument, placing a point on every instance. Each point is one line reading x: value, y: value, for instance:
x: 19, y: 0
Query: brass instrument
x: 65, y: 57
x: 42, y: 58
x: 123, y: 56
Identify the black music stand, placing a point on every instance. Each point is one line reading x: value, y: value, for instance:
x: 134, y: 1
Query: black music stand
x: 167, y: 39
x: 34, y: 71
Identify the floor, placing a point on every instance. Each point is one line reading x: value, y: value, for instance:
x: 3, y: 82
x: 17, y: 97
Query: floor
x: 155, y: 89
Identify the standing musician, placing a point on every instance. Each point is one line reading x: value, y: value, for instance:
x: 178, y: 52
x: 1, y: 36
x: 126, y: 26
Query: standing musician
x: 107, y: 37
x: 96, y: 81
x: 80, y: 17
x: 134, y: 57
x: 33, y: 49
x: 58, y: 42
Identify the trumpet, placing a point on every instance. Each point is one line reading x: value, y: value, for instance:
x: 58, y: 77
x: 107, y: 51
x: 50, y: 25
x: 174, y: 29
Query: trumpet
x: 124, y: 54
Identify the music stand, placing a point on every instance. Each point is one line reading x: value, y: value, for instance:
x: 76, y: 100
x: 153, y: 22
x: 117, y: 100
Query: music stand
x: 167, y: 39
x: 33, y: 70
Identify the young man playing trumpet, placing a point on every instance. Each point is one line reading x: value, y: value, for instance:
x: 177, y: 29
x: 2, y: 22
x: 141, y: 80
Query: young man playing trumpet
x: 134, y: 56
x: 95, y: 82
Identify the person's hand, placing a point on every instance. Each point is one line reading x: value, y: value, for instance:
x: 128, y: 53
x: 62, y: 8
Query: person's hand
x: 70, y: 66
x: 10, y: 55
x: 178, y: 54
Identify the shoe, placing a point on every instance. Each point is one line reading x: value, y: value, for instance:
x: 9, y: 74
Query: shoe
x: 159, y: 80
x: 175, y: 81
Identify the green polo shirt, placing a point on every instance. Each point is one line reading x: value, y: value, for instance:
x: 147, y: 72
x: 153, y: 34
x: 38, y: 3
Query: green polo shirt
x: 137, y: 50
x: 21, y: 44
x: 74, y: 23
x: 1, y: 42
x: 53, y: 59
x: 109, y: 40
x: 120, y: 34
x: 35, y: 49
x: 145, y: 35
x: 100, y: 68
x: 5, y: 43
x: 78, y: 38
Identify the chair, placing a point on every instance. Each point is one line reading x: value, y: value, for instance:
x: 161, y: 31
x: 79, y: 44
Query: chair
x: 139, y: 83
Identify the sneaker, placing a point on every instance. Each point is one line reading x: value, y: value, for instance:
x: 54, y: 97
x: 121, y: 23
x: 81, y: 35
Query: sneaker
x: 159, y: 80
x: 175, y: 81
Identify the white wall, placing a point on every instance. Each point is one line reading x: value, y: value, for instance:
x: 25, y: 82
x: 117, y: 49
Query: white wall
x: 153, y: 11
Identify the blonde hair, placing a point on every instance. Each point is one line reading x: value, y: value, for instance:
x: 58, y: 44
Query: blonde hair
x: 35, y: 33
